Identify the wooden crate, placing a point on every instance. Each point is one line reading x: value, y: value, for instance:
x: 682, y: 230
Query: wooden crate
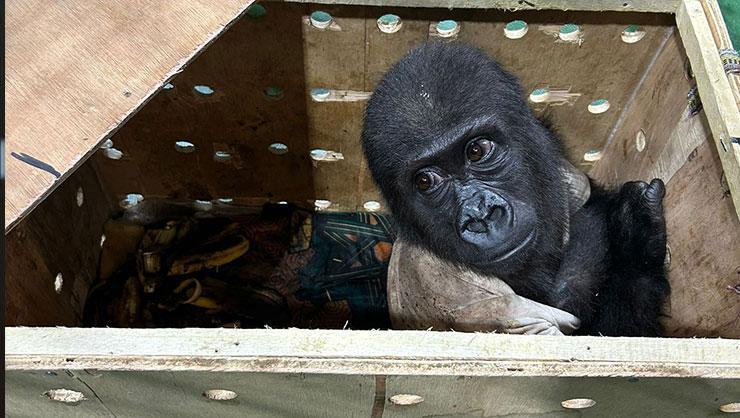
x: 78, y: 75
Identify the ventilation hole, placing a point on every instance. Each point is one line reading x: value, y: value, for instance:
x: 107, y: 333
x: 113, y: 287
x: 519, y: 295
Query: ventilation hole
x: 446, y: 28
x: 592, y: 155
x: 516, y: 29
x: 221, y: 156
x: 320, y: 94
x: 371, y: 206
x: 389, y: 23
x: 598, y: 106
x: 65, y: 396
x: 220, y: 394
x: 58, y: 282
x: 626, y: 4
x: 640, y: 140
x: 278, y: 148
x: 539, y: 95
x: 667, y: 261
x: 730, y: 408
x: 405, y: 399
x: 256, y: 11
x: 113, y: 153
x: 319, y: 154
x: 203, y: 89
x: 632, y: 34
x: 578, y: 403
x: 569, y: 32
x: 131, y: 200
x: 321, y: 20
x: 168, y: 86
x: 203, y: 205
x: 322, y: 204
x: 184, y: 147
x: 80, y: 197
x: 273, y: 93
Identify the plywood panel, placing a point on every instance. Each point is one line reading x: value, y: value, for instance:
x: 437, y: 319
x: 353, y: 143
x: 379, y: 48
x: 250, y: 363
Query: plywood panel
x: 252, y: 56
x: 703, y: 232
x: 530, y: 397
x: 160, y: 394
x: 658, y: 107
x: 601, y: 67
x: 75, y: 71
x: 179, y: 394
x: 59, y: 237
x: 337, y: 60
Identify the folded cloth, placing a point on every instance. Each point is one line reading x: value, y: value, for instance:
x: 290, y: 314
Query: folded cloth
x: 425, y: 291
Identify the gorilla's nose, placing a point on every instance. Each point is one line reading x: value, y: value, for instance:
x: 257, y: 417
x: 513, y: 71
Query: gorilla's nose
x: 483, y: 218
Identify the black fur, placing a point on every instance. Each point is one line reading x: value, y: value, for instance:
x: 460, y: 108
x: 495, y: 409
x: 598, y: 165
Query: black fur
x: 506, y: 214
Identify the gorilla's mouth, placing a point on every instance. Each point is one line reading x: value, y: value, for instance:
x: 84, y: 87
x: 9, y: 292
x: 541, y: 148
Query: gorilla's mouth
x: 529, y: 238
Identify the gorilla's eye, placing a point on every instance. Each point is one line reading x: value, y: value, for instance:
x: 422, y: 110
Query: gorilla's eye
x: 426, y: 180
x: 478, y: 149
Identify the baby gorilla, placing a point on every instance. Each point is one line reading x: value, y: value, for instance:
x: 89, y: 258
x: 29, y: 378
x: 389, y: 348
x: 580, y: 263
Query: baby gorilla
x: 470, y: 174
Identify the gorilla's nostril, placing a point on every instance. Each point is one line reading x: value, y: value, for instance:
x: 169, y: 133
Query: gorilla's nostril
x: 496, y: 212
x: 477, y: 227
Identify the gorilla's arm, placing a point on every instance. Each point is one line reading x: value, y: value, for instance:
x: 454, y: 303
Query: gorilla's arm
x: 577, y: 283
x: 612, y: 275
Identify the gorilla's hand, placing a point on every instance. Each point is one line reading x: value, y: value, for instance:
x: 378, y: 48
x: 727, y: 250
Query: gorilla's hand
x: 638, y: 224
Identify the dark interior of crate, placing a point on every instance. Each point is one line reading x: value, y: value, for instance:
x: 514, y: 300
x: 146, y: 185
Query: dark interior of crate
x: 209, y: 137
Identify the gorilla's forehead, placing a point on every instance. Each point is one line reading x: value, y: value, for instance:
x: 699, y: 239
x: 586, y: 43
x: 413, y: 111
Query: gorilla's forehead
x: 427, y: 116
x: 436, y: 95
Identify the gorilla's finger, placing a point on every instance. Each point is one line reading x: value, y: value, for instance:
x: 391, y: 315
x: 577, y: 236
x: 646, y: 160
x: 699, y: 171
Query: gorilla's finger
x: 634, y: 188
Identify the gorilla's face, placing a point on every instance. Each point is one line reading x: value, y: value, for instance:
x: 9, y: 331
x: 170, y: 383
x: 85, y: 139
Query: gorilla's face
x: 465, y: 167
x: 465, y: 191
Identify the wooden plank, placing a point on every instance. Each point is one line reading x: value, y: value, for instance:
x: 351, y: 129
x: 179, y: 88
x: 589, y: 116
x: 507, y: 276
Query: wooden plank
x: 721, y: 39
x: 656, y: 6
x: 367, y: 352
x: 77, y: 71
x: 714, y: 88
x: 62, y: 236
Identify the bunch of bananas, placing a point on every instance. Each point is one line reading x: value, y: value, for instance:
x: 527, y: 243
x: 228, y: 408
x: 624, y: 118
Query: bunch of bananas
x: 182, y: 269
x: 162, y: 268
x: 170, y: 252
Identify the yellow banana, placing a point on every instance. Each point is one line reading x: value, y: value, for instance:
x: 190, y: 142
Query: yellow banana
x: 212, y: 259
x: 206, y: 303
